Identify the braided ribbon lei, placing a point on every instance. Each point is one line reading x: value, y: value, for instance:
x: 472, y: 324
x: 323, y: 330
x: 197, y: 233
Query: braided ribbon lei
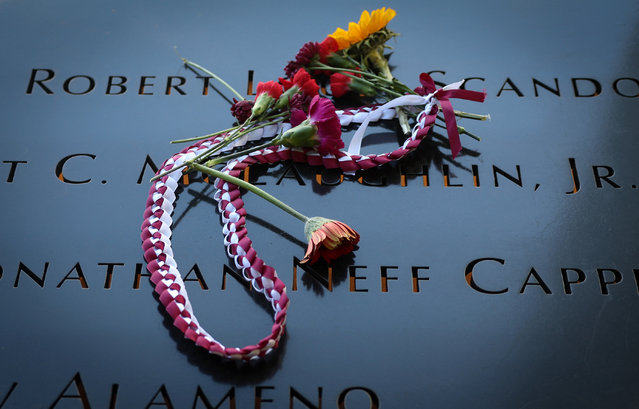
x: 156, y: 228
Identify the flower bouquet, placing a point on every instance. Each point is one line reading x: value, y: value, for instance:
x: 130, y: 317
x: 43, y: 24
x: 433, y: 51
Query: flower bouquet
x: 294, y: 119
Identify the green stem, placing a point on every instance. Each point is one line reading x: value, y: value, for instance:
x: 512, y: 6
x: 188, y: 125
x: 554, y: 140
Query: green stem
x: 252, y: 188
x: 321, y: 66
x: 223, y: 159
x: 403, y: 86
x: 384, y: 89
x: 393, y: 83
x: 462, y: 131
x: 377, y: 60
x: 198, y: 138
x: 230, y: 138
x: 352, y: 60
x: 233, y: 137
x: 469, y: 115
x: 199, y: 67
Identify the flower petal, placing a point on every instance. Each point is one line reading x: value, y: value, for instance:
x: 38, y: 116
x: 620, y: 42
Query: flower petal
x: 364, y: 19
x: 341, y: 36
x: 368, y: 24
x: 297, y: 117
x: 321, y: 109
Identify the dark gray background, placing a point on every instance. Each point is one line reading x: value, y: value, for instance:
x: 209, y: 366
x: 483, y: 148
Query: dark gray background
x: 447, y: 346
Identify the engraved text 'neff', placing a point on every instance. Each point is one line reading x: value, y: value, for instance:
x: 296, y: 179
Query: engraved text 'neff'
x: 45, y: 81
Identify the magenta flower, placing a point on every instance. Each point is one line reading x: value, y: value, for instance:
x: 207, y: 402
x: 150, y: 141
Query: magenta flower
x: 320, y: 128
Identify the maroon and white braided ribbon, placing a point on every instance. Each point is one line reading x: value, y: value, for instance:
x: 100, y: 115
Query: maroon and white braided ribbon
x: 359, y: 115
x: 156, y: 229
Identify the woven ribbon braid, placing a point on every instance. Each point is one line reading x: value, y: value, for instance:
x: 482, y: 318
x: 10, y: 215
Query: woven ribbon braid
x: 156, y: 229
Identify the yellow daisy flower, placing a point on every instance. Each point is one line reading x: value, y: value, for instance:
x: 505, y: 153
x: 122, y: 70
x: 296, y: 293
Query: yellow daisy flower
x: 367, y: 25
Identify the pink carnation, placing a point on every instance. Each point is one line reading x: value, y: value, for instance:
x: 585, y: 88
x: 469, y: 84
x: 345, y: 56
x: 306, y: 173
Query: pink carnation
x: 321, y: 115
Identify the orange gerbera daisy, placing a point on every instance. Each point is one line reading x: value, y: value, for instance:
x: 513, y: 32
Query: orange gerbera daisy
x: 367, y: 25
x: 328, y: 239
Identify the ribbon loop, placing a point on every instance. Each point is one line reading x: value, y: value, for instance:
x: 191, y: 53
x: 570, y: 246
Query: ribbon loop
x: 405, y: 100
x: 428, y: 96
x: 442, y: 95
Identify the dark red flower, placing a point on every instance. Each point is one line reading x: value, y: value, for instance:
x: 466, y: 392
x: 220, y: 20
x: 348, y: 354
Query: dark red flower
x: 328, y: 239
x: 300, y: 102
x: 291, y: 68
x: 241, y: 110
x: 304, y: 56
x: 307, y: 53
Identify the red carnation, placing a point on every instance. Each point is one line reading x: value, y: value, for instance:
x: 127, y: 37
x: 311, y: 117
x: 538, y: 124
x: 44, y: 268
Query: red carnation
x: 303, y: 81
x: 340, y: 84
x: 306, y: 83
x: 267, y: 93
x: 327, y: 47
x: 329, y: 54
x: 273, y: 89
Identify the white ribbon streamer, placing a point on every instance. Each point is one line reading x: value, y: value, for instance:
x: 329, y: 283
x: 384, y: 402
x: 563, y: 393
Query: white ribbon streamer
x: 429, y: 101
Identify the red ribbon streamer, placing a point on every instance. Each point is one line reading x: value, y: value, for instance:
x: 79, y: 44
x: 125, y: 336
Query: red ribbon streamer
x: 443, y: 95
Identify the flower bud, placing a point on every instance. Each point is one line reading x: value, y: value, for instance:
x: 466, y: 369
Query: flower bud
x: 262, y: 103
x: 341, y: 84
